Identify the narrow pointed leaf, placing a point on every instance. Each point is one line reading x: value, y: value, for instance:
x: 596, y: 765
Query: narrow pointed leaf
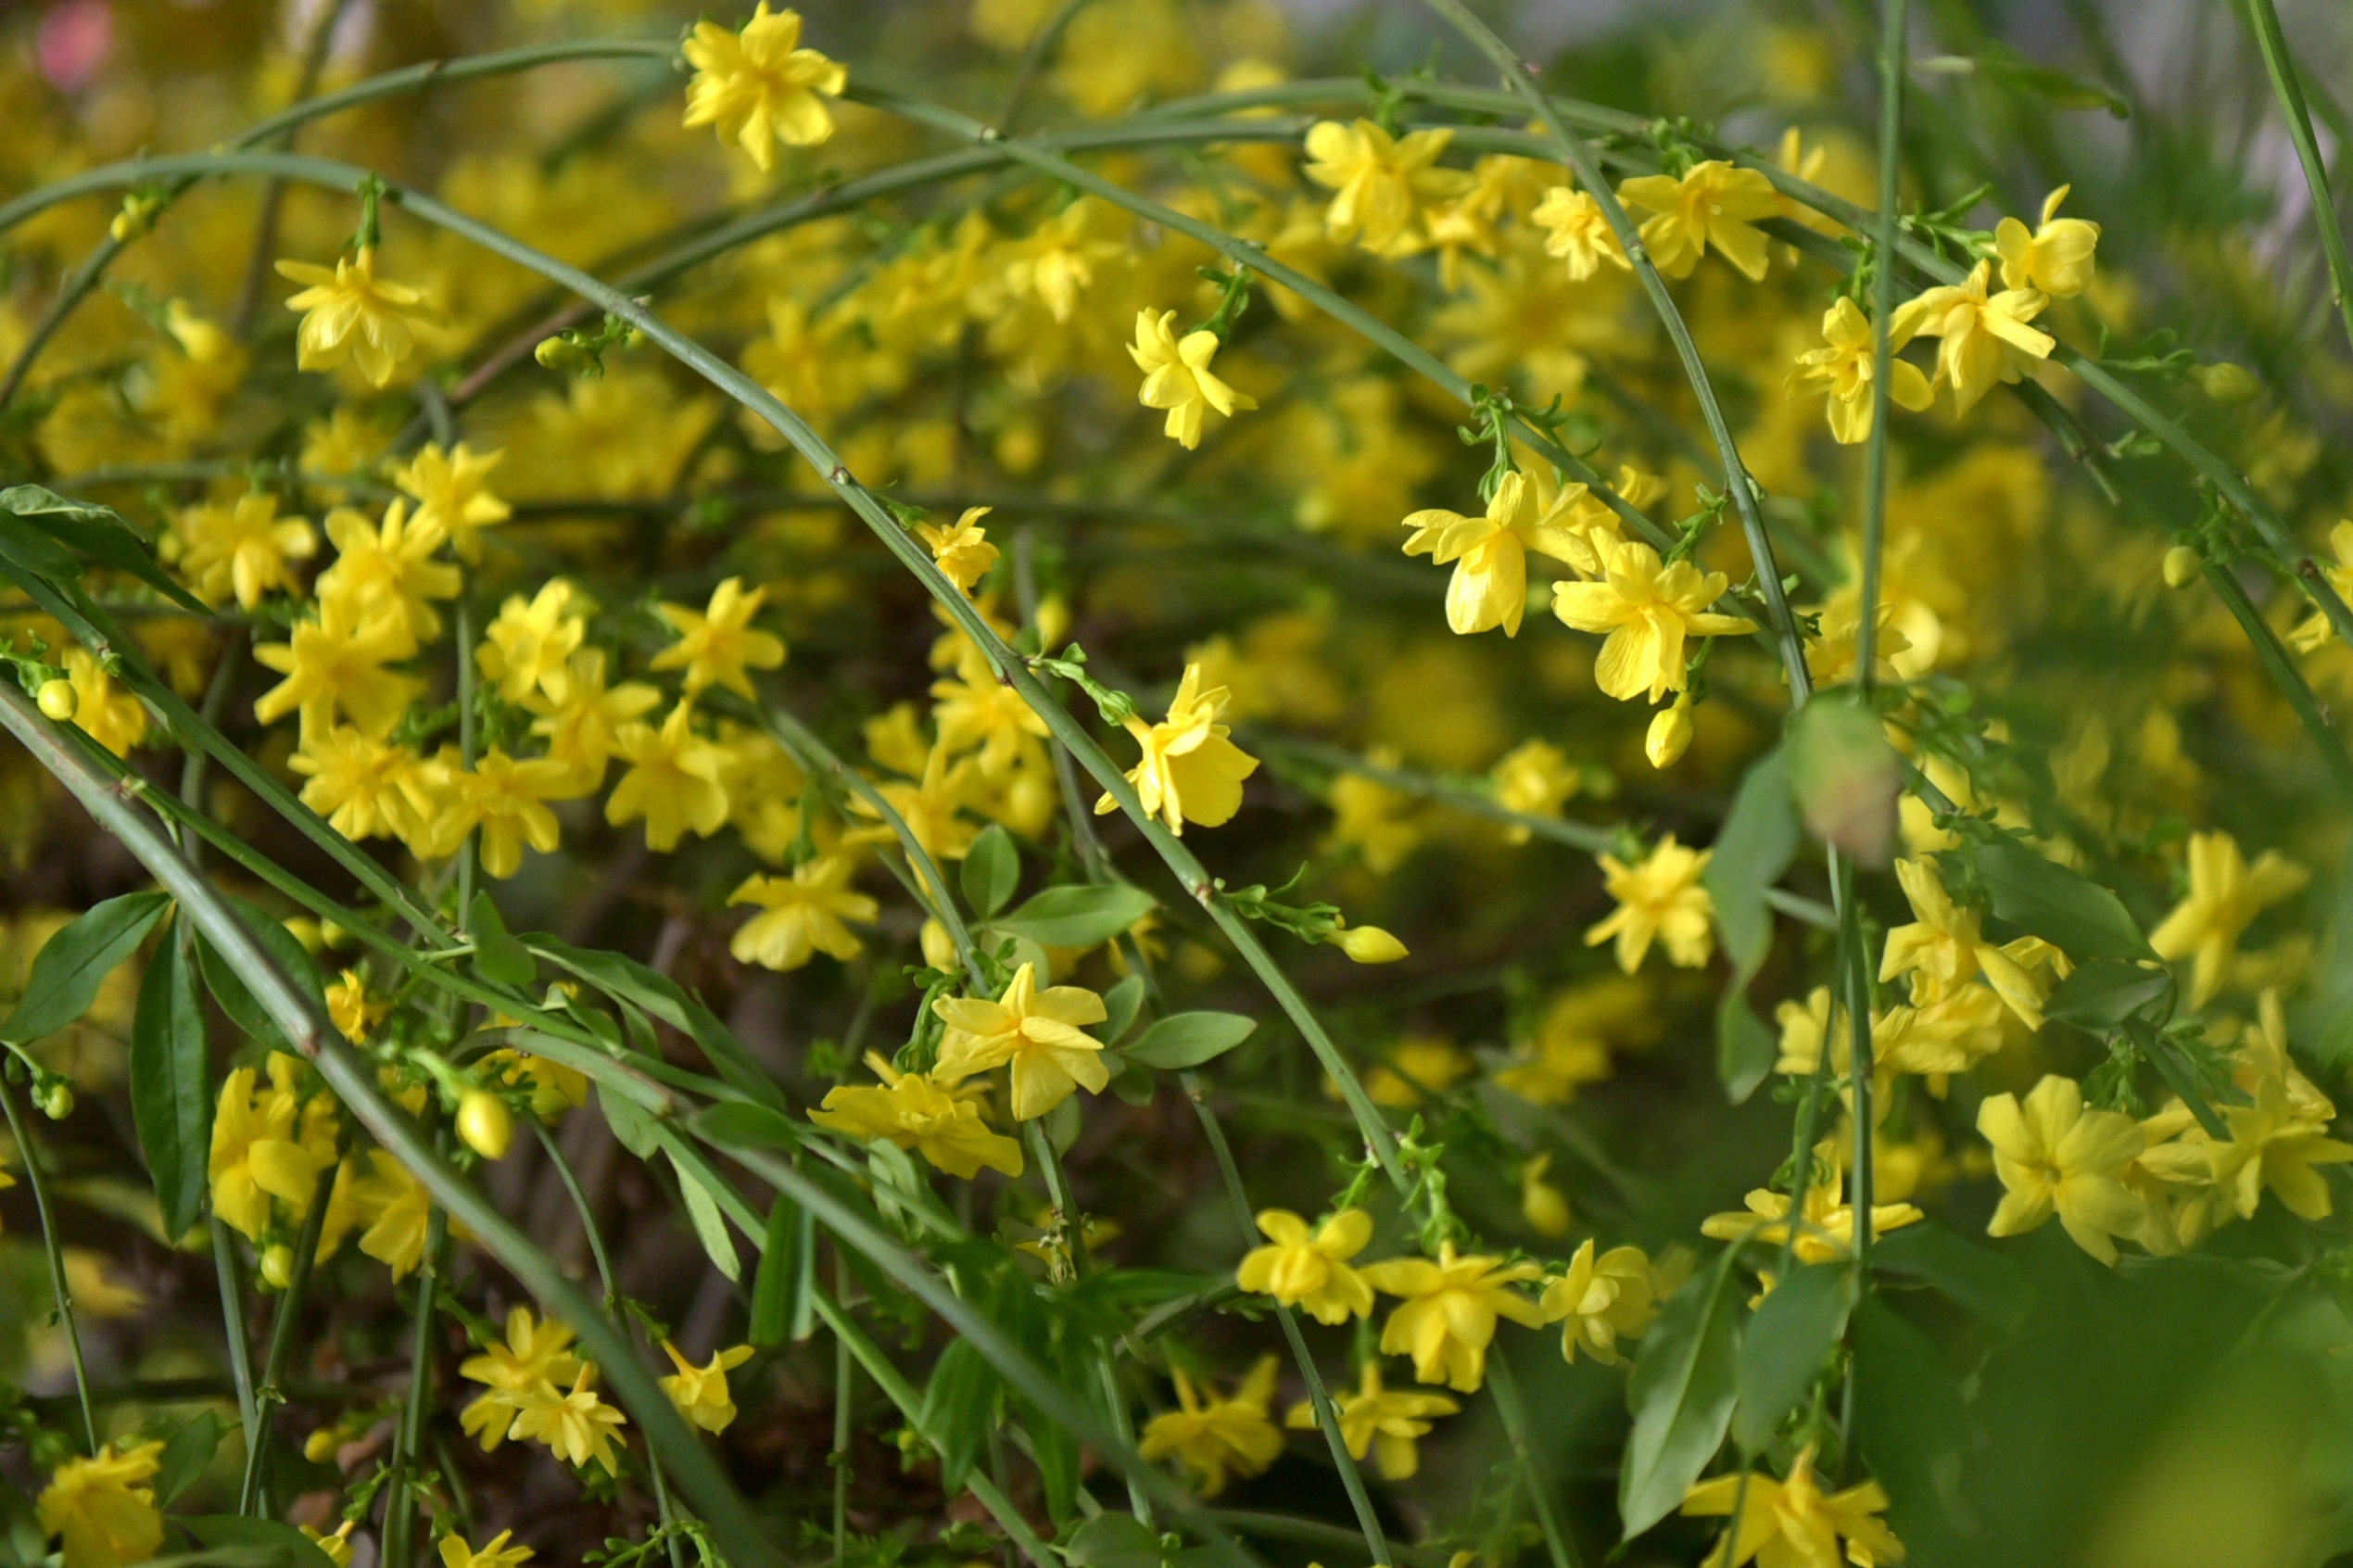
x: 171, y: 1085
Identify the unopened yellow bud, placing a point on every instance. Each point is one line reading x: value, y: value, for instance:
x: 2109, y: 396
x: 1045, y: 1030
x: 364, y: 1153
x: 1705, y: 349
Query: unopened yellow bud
x: 277, y: 1267
x: 319, y: 1445
x: 1053, y: 620
x: 1367, y: 944
x: 57, y: 1100
x: 485, y: 1124
x: 2181, y: 565
x: 1670, y: 734
x: 58, y: 700
x: 939, y: 948
x: 2225, y: 383
x: 1545, y: 1207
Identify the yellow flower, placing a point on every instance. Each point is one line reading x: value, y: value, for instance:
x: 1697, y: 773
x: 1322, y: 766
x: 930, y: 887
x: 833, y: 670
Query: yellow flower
x: 1940, y: 950
x: 1214, y: 1436
x: 109, y: 1519
x: 676, y: 780
x: 718, y: 643
x: 1386, y: 1424
x: 1792, y: 1524
x: 1311, y: 1270
x: 2316, y: 631
x: 759, y: 86
x: 1601, y: 1300
x: 1986, y: 339
x: 399, y: 1208
x: 1647, y: 608
x: 365, y: 788
x: 2226, y: 894
x: 105, y: 712
x: 256, y: 1156
x: 349, y: 314
x: 534, y: 1353
x: 1036, y: 1032
x: 1414, y: 1068
x: 337, y: 1546
x: 506, y: 799
x: 1190, y: 772
x: 2055, y: 1156
x: 1576, y: 230
x: 1381, y: 182
x: 554, y: 1087
x: 1714, y: 204
x: 963, y: 551
x: 239, y: 549
x: 582, y: 731
x: 1491, y: 584
x: 1535, y: 780
x: 1660, y: 900
x: 352, y: 1010
x: 332, y: 664
x: 700, y: 1393
x: 917, y: 1112
x: 804, y: 914
x: 1543, y: 1204
x: 1824, y: 1223
x: 978, y: 710
x: 494, y: 1554
x: 1843, y: 368
x: 388, y: 576
x: 528, y: 649
x: 1447, y: 1316
x: 1177, y: 376
x: 578, y: 1425
x: 452, y: 496
x: 2055, y: 258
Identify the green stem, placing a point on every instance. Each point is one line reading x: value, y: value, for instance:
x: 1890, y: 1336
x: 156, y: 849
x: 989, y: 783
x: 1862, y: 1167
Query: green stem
x: 2281, y: 66
x: 1033, y: 60
x: 2285, y: 675
x: 1892, y: 23
x: 399, y: 1512
x: 302, y: 1017
x: 271, y: 1394
x: 845, y: 1370
x: 22, y: 1133
x: 265, y: 235
x: 224, y: 1268
x: 1515, y: 1429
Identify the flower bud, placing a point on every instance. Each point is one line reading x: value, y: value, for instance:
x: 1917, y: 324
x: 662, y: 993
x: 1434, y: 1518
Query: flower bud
x: 319, y: 1445
x: 1545, y: 1207
x: 485, y: 1124
x: 2182, y: 564
x: 56, y: 1099
x: 1367, y: 944
x: 938, y: 949
x: 58, y: 700
x: 1670, y: 734
x: 2225, y: 383
x: 277, y: 1267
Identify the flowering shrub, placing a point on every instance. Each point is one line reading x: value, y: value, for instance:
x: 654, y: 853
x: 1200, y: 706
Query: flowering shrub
x: 606, y: 959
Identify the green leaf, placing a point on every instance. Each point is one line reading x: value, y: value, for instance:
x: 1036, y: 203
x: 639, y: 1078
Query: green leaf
x: 740, y: 1125
x: 75, y: 962
x: 1120, y: 1004
x: 2102, y: 992
x: 258, y: 1541
x: 1132, y: 1085
x: 229, y: 989
x: 2179, y: 1075
x: 1979, y: 1280
x: 1681, y: 1392
x: 1187, y: 1039
x: 625, y: 980
x: 2064, y: 907
x: 1787, y: 1343
x: 703, y: 1212
x: 632, y: 1126
x: 1745, y: 1048
x: 959, y: 1403
x: 777, y: 1277
x: 1846, y: 778
x: 1079, y: 917
x: 1113, y: 1540
x: 170, y: 1087
x: 1061, y: 1125
x: 497, y: 956
x: 186, y: 1453
x: 1759, y: 839
x: 992, y: 870
x: 2061, y: 89
x: 29, y: 555
x: 1910, y: 1424
x: 100, y: 533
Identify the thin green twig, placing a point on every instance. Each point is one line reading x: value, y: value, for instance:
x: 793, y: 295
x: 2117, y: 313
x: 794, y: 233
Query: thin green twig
x: 50, y: 1244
